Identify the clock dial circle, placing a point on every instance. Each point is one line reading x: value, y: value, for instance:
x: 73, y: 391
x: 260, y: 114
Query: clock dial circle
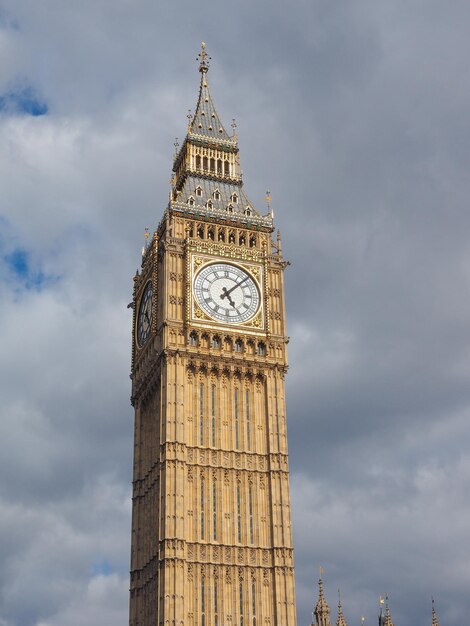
x: 144, y: 320
x: 227, y: 293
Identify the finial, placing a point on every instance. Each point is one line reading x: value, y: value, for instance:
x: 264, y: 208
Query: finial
x: 177, y: 145
x: 363, y: 619
x: 190, y: 118
x: 268, y: 203
x: 234, y: 127
x: 204, y: 59
x: 268, y: 199
x: 146, y: 236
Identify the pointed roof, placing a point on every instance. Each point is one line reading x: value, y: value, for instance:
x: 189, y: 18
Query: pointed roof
x: 435, y: 621
x: 322, y: 610
x: 206, y: 121
x: 207, y: 181
x: 340, y: 621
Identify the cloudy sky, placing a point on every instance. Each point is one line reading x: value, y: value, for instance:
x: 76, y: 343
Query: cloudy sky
x: 355, y: 116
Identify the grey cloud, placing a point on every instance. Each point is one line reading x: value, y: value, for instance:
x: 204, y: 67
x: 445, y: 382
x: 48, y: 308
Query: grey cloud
x: 354, y: 116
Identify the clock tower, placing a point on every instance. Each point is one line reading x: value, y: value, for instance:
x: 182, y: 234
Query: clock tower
x: 211, y: 521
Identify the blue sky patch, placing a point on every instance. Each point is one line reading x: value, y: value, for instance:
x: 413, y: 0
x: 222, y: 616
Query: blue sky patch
x: 23, y: 101
x: 20, y: 268
x: 101, y: 568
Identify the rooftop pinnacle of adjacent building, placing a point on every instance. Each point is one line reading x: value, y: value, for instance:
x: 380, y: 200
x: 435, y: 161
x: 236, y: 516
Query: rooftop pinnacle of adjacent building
x: 385, y: 620
x: 435, y: 621
x: 322, y: 610
x: 340, y: 620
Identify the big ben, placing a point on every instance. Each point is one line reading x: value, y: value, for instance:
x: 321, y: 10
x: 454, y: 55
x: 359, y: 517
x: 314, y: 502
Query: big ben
x: 211, y: 519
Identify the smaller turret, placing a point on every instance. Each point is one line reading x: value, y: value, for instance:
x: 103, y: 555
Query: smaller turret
x: 340, y: 621
x: 435, y: 621
x: 322, y: 610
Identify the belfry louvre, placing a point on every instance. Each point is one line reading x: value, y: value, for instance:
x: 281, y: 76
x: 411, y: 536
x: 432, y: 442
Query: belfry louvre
x: 211, y: 520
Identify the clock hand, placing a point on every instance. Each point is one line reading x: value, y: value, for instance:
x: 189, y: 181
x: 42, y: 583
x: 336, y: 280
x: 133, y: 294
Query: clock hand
x: 147, y: 316
x: 227, y: 293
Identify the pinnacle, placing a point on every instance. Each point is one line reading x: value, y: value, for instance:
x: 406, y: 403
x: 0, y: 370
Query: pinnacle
x: 340, y: 621
x: 322, y: 610
x: 206, y: 122
x: 388, y: 618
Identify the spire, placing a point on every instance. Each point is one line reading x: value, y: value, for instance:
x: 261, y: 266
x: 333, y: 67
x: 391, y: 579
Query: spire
x: 435, y: 621
x: 322, y: 610
x: 207, y: 180
x: 340, y: 621
x: 388, y: 619
x: 206, y: 121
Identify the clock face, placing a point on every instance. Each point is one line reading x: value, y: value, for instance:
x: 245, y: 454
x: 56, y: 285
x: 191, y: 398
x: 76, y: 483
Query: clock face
x: 144, y: 320
x: 227, y: 293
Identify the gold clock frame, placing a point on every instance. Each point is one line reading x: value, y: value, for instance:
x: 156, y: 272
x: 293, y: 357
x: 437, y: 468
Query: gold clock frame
x: 252, y: 261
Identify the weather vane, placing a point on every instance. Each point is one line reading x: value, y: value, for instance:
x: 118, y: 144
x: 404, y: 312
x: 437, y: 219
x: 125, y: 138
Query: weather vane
x: 203, y: 59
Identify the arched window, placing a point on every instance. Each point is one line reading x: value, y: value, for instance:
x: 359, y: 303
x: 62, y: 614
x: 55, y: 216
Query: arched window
x: 215, y: 343
x: 221, y: 236
x: 198, y: 191
x: 210, y: 234
x: 203, y: 596
x: 226, y: 168
x: 238, y: 345
x: 209, y: 204
x: 200, y: 232
x: 252, y: 241
x: 212, y: 165
x: 204, y: 163
x: 253, y: 601
x: 191, y: 201
x: 216, y: 194
x: 234, y: 198
x: 242, y: 240
x: 198, y: 161
x: 230, y: 208
x: 193, y: 339
x: 219, y: 166
x: 248, y: 211
x: 216, y: 603
x: 261, y: 349
x: 250, y: 510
